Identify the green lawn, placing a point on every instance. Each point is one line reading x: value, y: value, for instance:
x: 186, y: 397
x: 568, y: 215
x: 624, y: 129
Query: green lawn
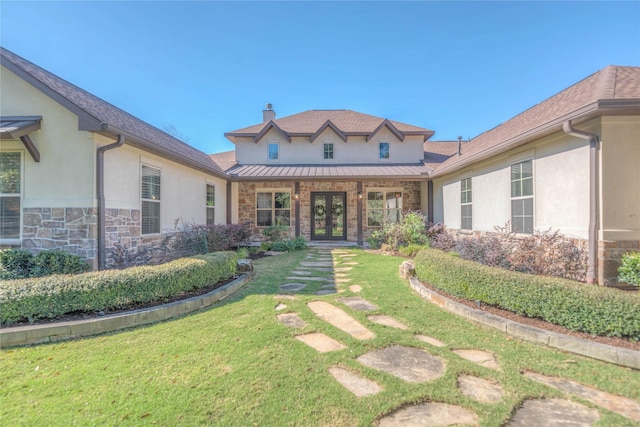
x: 235, y: 364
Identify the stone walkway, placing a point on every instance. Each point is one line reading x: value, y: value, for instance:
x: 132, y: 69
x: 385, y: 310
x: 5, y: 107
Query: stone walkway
x: 327, y: 270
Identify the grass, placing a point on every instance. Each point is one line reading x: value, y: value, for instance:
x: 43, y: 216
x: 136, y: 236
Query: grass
x: 235, y: 364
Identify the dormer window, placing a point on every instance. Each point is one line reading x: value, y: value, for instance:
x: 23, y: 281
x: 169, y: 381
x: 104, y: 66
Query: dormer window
x: 274, y: 152
x: 384, y: 151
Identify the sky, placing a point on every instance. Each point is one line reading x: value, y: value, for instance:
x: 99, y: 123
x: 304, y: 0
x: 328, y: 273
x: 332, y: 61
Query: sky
x: 205, y: 68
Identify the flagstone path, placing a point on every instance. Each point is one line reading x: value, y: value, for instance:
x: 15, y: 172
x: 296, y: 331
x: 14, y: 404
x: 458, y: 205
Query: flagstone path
x: 326, y: 270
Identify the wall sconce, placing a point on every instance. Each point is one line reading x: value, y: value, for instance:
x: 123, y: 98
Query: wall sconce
x: 359, y: 194
x: 296, y: 196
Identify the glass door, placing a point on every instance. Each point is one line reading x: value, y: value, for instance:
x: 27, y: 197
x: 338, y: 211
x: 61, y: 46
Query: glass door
x: 328, y: 216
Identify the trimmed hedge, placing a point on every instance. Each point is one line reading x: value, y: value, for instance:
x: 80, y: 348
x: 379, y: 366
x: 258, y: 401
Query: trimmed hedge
x: 52, y: 296
x: 592, y: 309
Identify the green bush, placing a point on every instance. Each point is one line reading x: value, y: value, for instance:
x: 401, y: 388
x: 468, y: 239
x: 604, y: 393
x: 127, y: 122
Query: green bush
x: 53, y: 296
x: 629, y: 271
x: 57, y: 262
x: 297, y: 244
x: 574, y: 305
x: 15, y: 264
x: 411, y: 250
x: 410, y: 230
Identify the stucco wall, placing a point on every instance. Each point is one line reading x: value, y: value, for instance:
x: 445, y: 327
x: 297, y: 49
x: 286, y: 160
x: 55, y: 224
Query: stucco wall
x: 561, y: 188
x: 355, y: 150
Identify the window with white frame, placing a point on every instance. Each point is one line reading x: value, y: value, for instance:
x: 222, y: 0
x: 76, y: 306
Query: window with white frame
x: 522, y: 197
x: 273, y: 152
x: 466, y: 222
x: 211, y: 204
x: 383, y: 151
x: 10, y: 194
x: 150, y: 194
x: 273, y: 207
x: 383, y: 206
x: 328, y: 151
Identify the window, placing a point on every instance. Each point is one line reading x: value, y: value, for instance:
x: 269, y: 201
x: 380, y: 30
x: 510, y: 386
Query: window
x: 10, y: 192
x: 274, y: 151
x: 465, y: 203
x: 273, y: 208
x: 211, y: 204
x: 328, y: 151
x: 522, y: 197
x: 383, y: 206
x: 150, y: 200
x: 384, y: 151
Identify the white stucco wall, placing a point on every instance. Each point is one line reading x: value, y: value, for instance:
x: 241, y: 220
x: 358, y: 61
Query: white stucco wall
x: 64, y: 175
x: 620, y: 178
x: 355, y: 150
x: 561, y: 187
x: 182, y: 189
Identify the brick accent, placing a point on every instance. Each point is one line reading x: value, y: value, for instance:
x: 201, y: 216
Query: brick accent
x: 609, y: 256
x: 247, y: 202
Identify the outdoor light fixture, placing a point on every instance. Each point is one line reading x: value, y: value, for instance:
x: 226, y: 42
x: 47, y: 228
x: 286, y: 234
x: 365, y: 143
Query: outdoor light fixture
x: 297, y: 196
x: 359, y: 194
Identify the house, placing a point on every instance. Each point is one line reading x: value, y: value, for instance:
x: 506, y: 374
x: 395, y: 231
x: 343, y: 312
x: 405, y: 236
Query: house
x: 79, y: 174
x: 570, y: 163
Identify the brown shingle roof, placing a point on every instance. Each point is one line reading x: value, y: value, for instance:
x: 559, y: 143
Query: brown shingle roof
x: 349, y: 122
x: 438, y: 152
x: 99, y: 115
x: 582, y: 100
x: 224, y: 160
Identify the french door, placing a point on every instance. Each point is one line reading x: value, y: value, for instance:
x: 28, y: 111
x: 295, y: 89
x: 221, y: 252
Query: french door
x: 328, y: 216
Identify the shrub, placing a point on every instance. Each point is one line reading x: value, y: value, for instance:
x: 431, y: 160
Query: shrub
x: 242, y: 253
x: 410, y: 230
x: 439, y: 237
x: 52, y: 296
x: 15, y: 264
x: 288, y: 245
x: 411, y: 250
x: 574, y: 305
x: 57, y: 262
x: 629, y: 271
x: 275, y: 232
x: 227, y: 237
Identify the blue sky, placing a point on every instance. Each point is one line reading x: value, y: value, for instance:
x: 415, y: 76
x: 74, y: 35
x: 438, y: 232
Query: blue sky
x: 459, y: 68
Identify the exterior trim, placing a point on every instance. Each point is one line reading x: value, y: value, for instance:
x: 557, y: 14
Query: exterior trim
x: 389, y: 126
x: 267, y: 128
x: 328, y: 124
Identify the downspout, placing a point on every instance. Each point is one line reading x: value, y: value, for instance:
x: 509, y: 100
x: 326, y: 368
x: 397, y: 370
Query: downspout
x: 101, y: 203
x: 593, y: 139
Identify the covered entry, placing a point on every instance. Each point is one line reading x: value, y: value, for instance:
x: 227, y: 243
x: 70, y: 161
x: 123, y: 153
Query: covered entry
x: 328, y: 216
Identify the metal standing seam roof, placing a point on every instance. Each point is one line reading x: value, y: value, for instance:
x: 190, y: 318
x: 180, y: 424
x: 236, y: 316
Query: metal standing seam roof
x: 254, y: 172
x: 104, y: 116
x: 13, y: 127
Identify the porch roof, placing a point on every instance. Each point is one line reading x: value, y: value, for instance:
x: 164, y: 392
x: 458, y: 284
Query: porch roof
x: 328, y: 172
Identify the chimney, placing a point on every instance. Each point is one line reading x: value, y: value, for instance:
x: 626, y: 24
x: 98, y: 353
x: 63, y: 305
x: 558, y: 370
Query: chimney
x: 459, y: 145
x: 268, y: 114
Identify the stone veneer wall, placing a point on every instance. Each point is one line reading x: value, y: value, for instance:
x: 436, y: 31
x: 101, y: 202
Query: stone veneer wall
x: 609, y: 258
x: 74, y: 230
x: 247, y: 201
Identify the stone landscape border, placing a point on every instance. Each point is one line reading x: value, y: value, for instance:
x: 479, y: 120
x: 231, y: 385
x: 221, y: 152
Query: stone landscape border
x: 607, y: 353
x: 59, y: 331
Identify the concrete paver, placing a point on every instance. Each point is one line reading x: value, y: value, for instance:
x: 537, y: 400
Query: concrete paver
x: 341, y: 320
x: 291, y: 320
x: 480, y: 389
x: 321, y: 342
x: 430, y: 340
x: 430, y: 414
x: 553, y: 413
x: 383, y: 319
x: 356, y: 384
x: 481, y: 357
x: 292, y: 287
x: 410, y: 364
x: 357, y: 303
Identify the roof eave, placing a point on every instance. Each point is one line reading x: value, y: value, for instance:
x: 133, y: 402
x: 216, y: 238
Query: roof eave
x: 588, y: 112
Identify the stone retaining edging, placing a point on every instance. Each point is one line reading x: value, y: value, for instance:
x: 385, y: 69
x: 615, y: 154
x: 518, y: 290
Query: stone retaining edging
x: 38, y: 334
x: 607, y: 353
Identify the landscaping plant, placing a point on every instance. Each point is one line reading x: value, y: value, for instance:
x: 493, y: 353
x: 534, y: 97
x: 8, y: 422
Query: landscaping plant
x: 629, y: 271
x: 21, y: 264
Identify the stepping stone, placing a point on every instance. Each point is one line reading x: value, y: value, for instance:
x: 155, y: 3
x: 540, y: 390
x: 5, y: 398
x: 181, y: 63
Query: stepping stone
x: 292, y: 287
x: 320, y: 342
x: 338, y: 269
x: 326, y: 292
x: 324, y: 259
x: 356, y: 384
x: 385, y: 320
x: 430, y: 340
x: 310, y: 279
x: 340, y: 275
x: 301, y: 273
x: 281, y: 306
x: 430, y: 414
x: 410, y: 364
x: 622, y: 405
x: 479, y: 389
x: 358, y: 303
x: 341, y: 320
x: 553, y: 413
x: 284, y: 296
x: 291, y: 320
x: 347, y: 255
x: 316, y: 264
x: 482, y: 358
x: 342, y: 280
x: 355, y: 288
x: 350, y: 263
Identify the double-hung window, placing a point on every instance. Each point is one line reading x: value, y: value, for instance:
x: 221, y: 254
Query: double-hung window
x: 383, y: 206
x: 150, y: 193
x: 273, y: 153
x: 328, y: 151
x: 273, y: 207
x: 10, y: 194
x: 466, y: 222
x: 211, y: 204
x: 383, y: 151
x: 522, y: 197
